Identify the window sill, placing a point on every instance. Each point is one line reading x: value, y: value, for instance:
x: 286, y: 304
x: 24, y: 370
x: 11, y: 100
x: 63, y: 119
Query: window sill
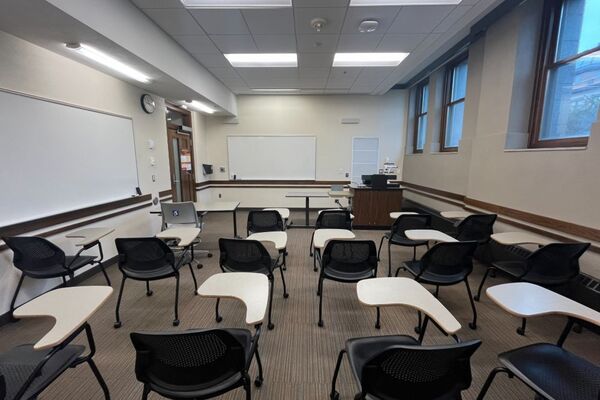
x: 537, y: 149
x: 438, y: 153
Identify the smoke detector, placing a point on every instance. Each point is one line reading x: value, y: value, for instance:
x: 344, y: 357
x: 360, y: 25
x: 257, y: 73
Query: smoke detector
x: 368, y: 26
x: 318, y: 24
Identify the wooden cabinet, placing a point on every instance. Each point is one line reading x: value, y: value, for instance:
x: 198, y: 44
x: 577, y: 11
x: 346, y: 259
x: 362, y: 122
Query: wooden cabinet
x: 372, y: 208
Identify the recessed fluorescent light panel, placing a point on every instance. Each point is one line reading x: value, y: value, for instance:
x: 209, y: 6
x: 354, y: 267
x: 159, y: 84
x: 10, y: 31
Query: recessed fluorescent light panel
x: 276, y: 90
x: 198, y: 106
x: 108, y: 61
x: 255, y: 60
x: 365, y: 3
x: 216, y: 4
x: 368, y: 59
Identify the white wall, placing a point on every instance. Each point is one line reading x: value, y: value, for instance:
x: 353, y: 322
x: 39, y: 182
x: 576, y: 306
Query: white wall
x: 381, y: 116
x: 30, y: 69
x: 560, y: 184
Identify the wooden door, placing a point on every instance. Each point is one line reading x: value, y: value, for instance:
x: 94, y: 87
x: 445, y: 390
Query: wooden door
x: 181, y: 157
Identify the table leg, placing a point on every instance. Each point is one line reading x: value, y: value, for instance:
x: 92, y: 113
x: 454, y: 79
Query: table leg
x: 307, y: 204
x: 235, y: 235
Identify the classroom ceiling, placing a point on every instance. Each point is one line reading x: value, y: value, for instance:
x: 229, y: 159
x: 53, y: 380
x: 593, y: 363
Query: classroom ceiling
x: 423, y: 31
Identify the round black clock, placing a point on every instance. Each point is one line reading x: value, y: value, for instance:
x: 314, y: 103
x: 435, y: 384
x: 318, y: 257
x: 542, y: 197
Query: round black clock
x: 148, y: 103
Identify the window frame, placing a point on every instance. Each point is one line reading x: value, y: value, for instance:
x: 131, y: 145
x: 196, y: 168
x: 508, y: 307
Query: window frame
x: 447, y: 102
x: 547, y: 48
x: 418, y: 114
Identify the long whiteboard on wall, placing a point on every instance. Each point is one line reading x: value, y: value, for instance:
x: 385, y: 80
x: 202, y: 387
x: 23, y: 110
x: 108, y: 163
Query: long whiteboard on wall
x: 272, y: 157
x: 56, y: 158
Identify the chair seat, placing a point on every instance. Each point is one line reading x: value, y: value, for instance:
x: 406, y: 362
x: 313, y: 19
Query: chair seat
x: 164, y: 271
x: 17, y: 364
x: 414, y: 267
x: 331, y: 272
x: 361, y: 350
x: 58, y: 270
x: 401, y: 240
x: 513, y: 268
x: 244, y: 337
x: 554, y: 372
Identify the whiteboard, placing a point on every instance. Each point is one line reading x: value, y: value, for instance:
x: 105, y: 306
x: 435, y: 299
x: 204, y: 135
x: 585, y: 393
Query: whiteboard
x: 56, y: 158
x: 272, y: 157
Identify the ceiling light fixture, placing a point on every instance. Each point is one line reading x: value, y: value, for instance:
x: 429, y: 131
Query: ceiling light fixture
x: 368, y: 59
x: 108, y: 61
x: 276, y: 90
x: 318, y: 24
x: 216, y: 4
x: 365, y: 3
x: 253, y: 60
x: 198, y: 106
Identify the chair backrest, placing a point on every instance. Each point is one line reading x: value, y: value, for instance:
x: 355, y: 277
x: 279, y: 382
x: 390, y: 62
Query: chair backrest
x: 555, y: 263
x: 350, y: 256
x: 143, y: 254
x: 242, y: 255
x: 419, y: 372
x: 451, y: 258
x: 477, y: 227
x: 334, y: 219
x: 187, y: 360
x: 32, y: 253
x: 410, y: 221
x: 180, y: 214
x: 264, y: 221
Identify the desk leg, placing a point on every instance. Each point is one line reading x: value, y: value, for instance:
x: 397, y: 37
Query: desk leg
x: 235, y: 235
x: 307, y: 205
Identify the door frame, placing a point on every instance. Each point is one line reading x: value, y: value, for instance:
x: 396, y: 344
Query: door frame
x: 187, y: 120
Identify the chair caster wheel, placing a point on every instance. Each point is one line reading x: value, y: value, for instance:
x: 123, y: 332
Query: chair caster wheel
x: 209, y: 255
x: 472, y: 326
x: 315, y: 269
x: 334, y: 396
x: 418, y: 330
x: 320, y: 324
x: 176, y: 322
x: 117, y: 325
x: 258, y: 382
x: 199, y: 266
x: 476, y: 298
x: 284, y: 268
x: 271, y: 326
x: 150, y: 293
x: 219, y: 319
x: 286, y: 295
x: 377, y: 326
x: 520, y: 331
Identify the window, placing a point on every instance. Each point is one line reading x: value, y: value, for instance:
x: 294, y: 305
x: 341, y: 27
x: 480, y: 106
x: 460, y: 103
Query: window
x: 567, y: 90
x: 420, y: 129
x: 455, y: 90
x: 365, y: 157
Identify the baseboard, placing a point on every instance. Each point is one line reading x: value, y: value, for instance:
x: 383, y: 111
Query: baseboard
x: 6, y: 317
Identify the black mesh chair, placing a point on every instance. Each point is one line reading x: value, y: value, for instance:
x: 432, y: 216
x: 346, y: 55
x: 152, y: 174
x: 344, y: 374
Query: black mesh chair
x: 26, y: 372
x: 398, y: 367
x: 397, y: 237
x: 445, y: 264
x: 243, y: 255
x: 553, y: 265
x: 332, y: 219
x: 39, y: 258
x: 264, y: 221
x: 477, y: 227
x: 183, y: 214
x: 195, y: 364
x: 550, y: 371
x: 150, y: 259
x: 347, y: 261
